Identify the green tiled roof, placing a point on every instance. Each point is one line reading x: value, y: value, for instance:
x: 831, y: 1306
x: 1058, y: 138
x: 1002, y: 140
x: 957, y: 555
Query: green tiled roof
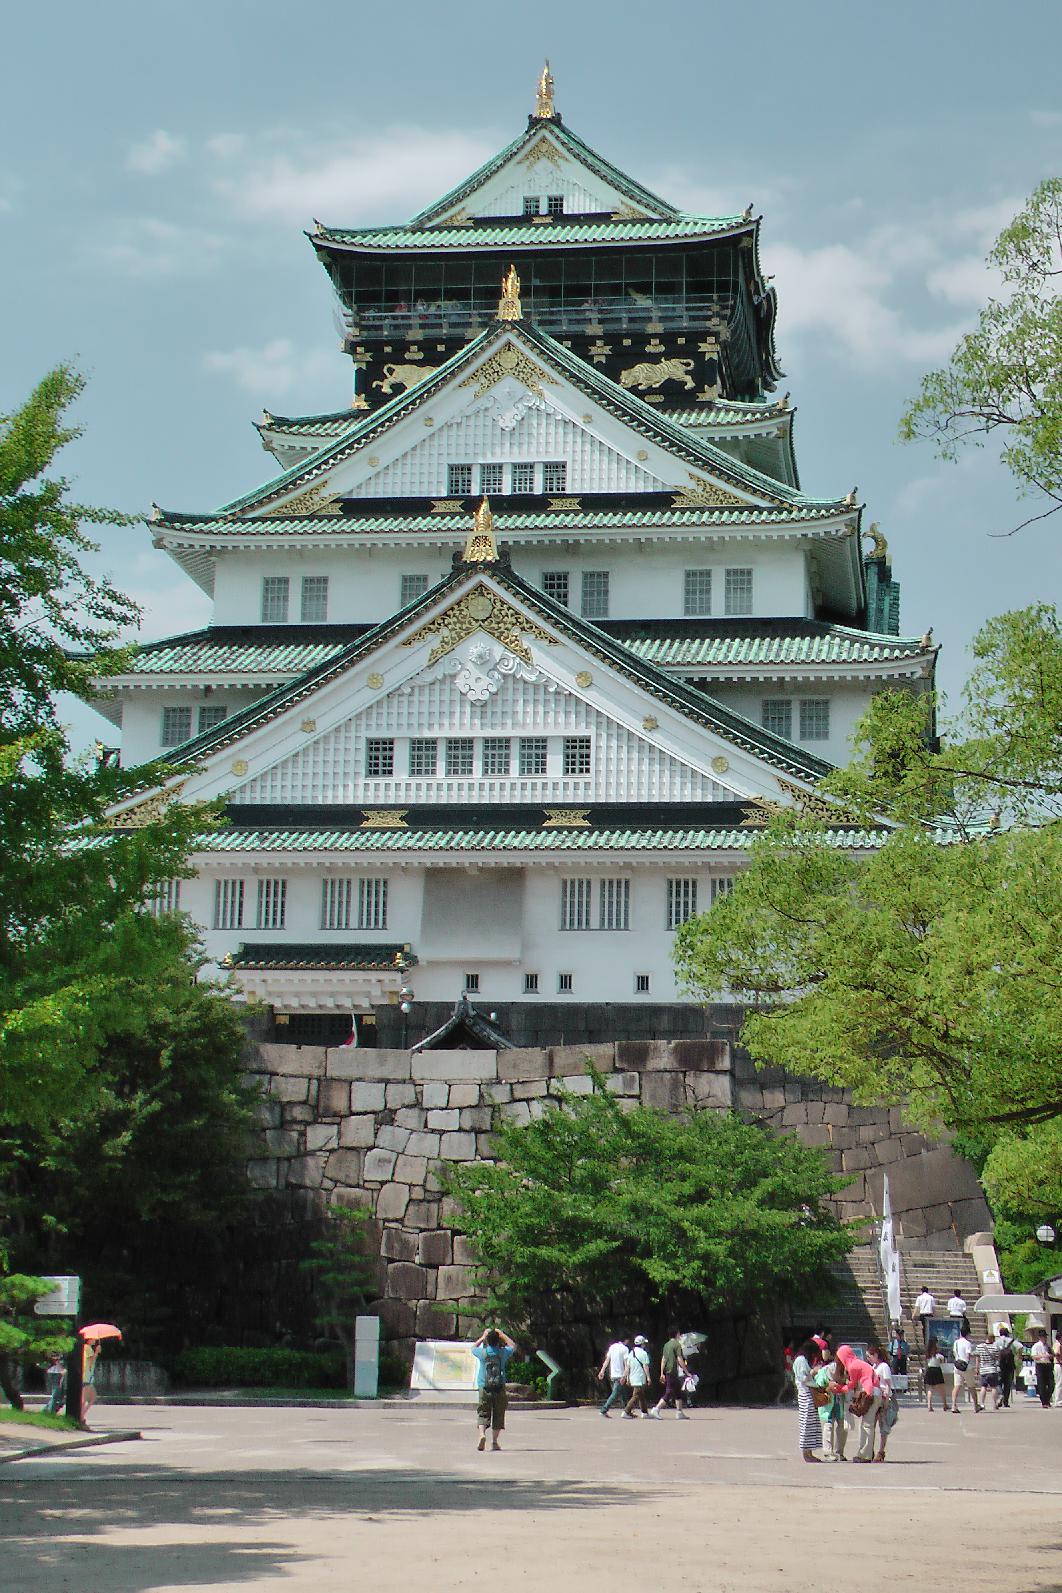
x: 837, y: 644
x: 327, y: 425
x: 519, y: 234
x: 294, y: 955
x: 199, y: 654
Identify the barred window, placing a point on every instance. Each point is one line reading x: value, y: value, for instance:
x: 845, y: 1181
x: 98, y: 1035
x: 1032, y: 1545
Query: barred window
x: 176, y: 725
x: 641, y: 984
x: 533, y: 754
x: 166, y: 898
x: 555, y: 585
x: 423, y: 756
x: 555, y: 476
x: 336, y: 896
x: 737, y: 594
x: 314, y: 599
x: 523, y: 478
x: 228, y: 903
x: 212, y: 716
x: 472, y: 983
x: 815, y: 719
x: 272, y: 903
x: 379, y: 757
x: 697, y: 593
x: 530, y: 984
x: 776, y: 715
x: 459, y: 753
x: 721, y: 886
x: 531, y: 204
x: 275, y: 590
x: 564, y: 984
x: 575, y: 903
x: 681, y: 901
x: 614, y: 904
x: 555, y: 204
x: 459, y: 480
x: 413, y: 586
x: 576, y: 755
x: 497, y: 755
x: 491, y: 479
x: 595, y: 594
x: 372, y: 903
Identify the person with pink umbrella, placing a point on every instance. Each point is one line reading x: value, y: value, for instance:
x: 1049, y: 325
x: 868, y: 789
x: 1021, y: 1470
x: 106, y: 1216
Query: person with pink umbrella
x: 91, y: 1337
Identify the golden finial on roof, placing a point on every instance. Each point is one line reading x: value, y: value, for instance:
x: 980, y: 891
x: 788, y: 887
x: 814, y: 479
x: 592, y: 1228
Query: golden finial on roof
x: 481, y: 547
x: 509, y: 303
x: 878, y: 546
x: 545, y: 110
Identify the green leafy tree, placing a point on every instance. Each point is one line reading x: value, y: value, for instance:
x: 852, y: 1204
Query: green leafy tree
x: 343, y: 1274
x: 614, y: 1205
x: 1005, y: 377
x: 24, y: 1336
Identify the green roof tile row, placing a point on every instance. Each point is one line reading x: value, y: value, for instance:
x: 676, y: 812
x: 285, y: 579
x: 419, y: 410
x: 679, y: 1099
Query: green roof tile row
x: 721, y: 413
x: 520, y: 234
x: 234, y: 841
x: 204, y: 657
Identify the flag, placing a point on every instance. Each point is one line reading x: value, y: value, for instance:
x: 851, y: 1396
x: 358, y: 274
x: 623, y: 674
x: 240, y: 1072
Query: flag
x: 889, y: 1254
x: 352, y: 1038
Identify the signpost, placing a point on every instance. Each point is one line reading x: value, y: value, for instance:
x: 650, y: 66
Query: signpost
x: 64, y: 1299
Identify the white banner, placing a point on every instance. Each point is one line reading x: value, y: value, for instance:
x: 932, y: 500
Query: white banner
x: 890, y: 1256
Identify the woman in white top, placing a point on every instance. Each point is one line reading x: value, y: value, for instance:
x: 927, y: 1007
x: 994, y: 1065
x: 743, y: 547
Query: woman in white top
x: 886, y: 1417
x: 805, y: 1362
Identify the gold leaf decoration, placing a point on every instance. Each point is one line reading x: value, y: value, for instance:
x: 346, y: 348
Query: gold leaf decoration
x: 384, y: 818
x: 812, y: 804
x: 315, y: 500
x: 702, y: 493
x: 508, y: 361
x: 568, y: 504
x: 480, y: 610
x: 308, y: 726
x: 150, y: 811
x: 720, y: 765
x: 584, y: 679
x: 760, y: 812
x: 447, y: 505
x: 650, y: 723
x: 374, y: 681
x: 240, y: 766
x: 481, y: 548
x: 543, y: 148
x: 566, y: 818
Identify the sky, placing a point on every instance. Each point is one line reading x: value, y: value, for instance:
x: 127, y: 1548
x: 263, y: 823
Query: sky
x: 160, y: 162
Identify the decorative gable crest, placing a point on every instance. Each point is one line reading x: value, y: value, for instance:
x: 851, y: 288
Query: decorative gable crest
x: 508, y: 361
x: 315, y: 500
x: 480, y: 610
x: 707, y: 494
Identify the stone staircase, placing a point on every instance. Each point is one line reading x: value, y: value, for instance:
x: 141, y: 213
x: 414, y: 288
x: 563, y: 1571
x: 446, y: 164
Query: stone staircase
x: 942, y: 1272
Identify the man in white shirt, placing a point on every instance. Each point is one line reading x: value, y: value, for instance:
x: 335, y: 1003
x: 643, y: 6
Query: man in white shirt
x: 637, y: 1375
x: 614, y: 1367
x: 957, y: 1307
x: 962, y: 1355
x: 924, y: 1307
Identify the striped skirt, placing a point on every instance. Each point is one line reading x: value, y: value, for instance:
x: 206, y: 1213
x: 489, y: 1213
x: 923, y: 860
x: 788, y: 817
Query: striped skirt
x: 808, y: 1416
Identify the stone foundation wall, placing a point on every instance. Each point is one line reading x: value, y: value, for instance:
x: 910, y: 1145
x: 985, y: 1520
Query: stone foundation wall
x: 368, y: 1127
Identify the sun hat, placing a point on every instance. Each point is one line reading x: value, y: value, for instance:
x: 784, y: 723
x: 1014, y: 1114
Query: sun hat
x: 641, y: 1339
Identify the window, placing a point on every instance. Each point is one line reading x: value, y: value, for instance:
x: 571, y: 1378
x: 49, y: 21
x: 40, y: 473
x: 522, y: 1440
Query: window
x: 533, y: 754
x: 555, y: 585
x: 314, y: 599
x: 531, y: 203
x: 523, y: 478
x: 491, y: 479
x: 722, y: 886
x: 577, y: 755
x: 697, y: 596
x: 275, y: 599
x: 413, y: 586
x: 379, y: 757
x: 575, y: 904
x: 776, y: 714
x: 228, y: 904
x: 595, y: 594
x: 737, y: 595
x: 555, y: 476
x: 176, y: 725
x: 423, y: 756
x: 166, y: 898
x: 555, y: 205
x: 530, y: 984
x: 459, y: 480
x: 472, y: 983
x: 372, y: 903
x: 564, y: 984
x: 336, y: 895
x: 209, y: 717
x: 459, y: 755
x: 272, y: 903
x: 641, y: 984
x: 497, y: 755
x: 681, y: 901
x: 815, y: 719
x: 614, y: 904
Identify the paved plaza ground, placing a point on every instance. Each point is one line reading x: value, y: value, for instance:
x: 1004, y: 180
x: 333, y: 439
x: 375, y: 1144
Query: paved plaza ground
x: 389, y: 1498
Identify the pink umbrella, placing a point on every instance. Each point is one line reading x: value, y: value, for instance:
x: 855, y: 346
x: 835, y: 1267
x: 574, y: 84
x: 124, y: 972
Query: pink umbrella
x: 100, y: 1330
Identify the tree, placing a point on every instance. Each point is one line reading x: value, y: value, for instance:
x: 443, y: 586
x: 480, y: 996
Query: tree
x: 615, y: 1205
x: 343, y: 1275
x: 24, y: 1336
x: 1006, y: 376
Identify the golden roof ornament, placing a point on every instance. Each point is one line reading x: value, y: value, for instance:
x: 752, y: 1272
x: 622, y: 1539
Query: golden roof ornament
x: 481, y: 548
x: 509, y: 304
x: 545, y: 110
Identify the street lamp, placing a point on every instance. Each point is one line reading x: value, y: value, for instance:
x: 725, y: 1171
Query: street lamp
x: 1046, y: 1234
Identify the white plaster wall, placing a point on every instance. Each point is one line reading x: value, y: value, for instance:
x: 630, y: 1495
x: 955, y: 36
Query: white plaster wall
x: 503, y: 194
x: 142, y: 714
x: 848, y: 700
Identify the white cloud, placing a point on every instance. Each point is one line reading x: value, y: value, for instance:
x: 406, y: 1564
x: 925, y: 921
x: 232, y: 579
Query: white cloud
x: 144, y: 246
x: 226, y: 146
x: 156, y: 153
x: 393, y: 173
x: 276, y: 368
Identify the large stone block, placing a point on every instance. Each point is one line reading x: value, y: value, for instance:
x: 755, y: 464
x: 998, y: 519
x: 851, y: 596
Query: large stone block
x: 351, y: 1199
x: 458, y: 1147
x: 322, y: 1136
x: 307, y: 1171
x: 355, y: 1062
x: 435, y: 1249
x: 710, y: 1089
x: 435, y: 1094
x: 423, y: 1144
x: 432, y: 1323
x: 357, y: 1132
x: 284, y: 1142
x: 888, y: 1150
x: 398, y: 1245
x: 406, y: 1281
x: 392, y: 1201
x: 284, y: 1088
x: 443, y: 1119
x: 367, y: 1097
x: 461, y: 1095
x: 835, y: 1112
x: 482, y: 1117
x: 516, y: 1111
x: 524, y: 1062
x: 263, y: 1172
x: 454, y: 1066
x: 413, y: 1117
x: 664, y: 1091
x: 400, y: 1095
x: 700, y: 1056
x: 571, y: 1060
x: 623, y: 1083
x: 794, y: 1114
x: 455, y: 1283
x: 378, y: 1166
x: 308, y: 1205
x: 266, y: 1114
x: 345, y: 1166
x: 464, y: 1255
x: 496, y: 1094
x: 934, y: 1178
x: 333, y: 1097
x: 391, y: 1137
x: 306, y: 1061
x: 398, y: 1318
x: 571, y: 1084
x: 422, y: 1213
x: 486, y: 1145
x: 773, y: 1099
x: 299, y: 1112
x: 411, y: 1170
x: 858, y: 1160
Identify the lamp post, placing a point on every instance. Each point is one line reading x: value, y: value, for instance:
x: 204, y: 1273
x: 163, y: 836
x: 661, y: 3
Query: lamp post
x: 1045, y: 1234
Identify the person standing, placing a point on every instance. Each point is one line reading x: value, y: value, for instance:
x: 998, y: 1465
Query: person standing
x: 832, y: 1415
x: 934, y: 1377
x: 493, y: 1350
x: 673, y: 1369
x: 1056, y: 1396
x: 988, y: 1355
x: 787, y: 1372
x: 807, y: 1359
x: 1044, y: 1368
x: 88, y: 1377
x: 899, y: 1350
x: 957, y: 1312
x: 614, y: 1367
x: 962, y: 1355
x: 924, y: 1307
x: 887, y: 1412
x: 636, y: 1374
x: 1005, y: 1340
x: 864, y: 1402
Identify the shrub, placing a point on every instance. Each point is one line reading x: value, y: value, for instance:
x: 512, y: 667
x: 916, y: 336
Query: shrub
x: 226, y: 1366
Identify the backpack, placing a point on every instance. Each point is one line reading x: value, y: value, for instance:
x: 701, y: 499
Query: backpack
x: 493, y: 1373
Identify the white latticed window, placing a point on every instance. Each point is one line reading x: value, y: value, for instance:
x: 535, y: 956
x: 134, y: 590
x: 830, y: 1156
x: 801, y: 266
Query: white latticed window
x: 576, y: 755
x: 413, y: 586
x: 776, y: 714
x: 372, y: 903
x: 314, y: 599
x: 564, y: 984
x: 614, y: 904
x: 555, y: 585
x: 641, y: 984
x: 423, y: 756
x: 555, y: 205
x: 697, y: 592
x: 555, y: 475
x: 737, y: 593
x: 228, y: 904
x: 459, y: 755
x: 575, y: 903
x: 165, y: 899
x: 472, y: 983
x: 211, y: 717
x: 176, y: 725
x: 722, y: 886
x: 533, y: 750
x: 523, y: 478
x: 336, y: 897
x: 530, y: 984
x: 497, y: 755
x: 815, y: 719
x: 681, y: 901
x: 272, y: 903
x: 595, y: 594
x: 531, y: 203
x: 275, y: 599
x: 379, y: 757
x: 491, y: 479
x: 459, y: 480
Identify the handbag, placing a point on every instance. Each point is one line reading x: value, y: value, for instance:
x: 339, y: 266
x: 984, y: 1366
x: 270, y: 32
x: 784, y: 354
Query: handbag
x: 821, y: 1396
x: 859, y: 1403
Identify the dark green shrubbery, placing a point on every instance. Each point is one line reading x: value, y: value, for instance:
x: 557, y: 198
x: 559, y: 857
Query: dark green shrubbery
x: 225, y: 1366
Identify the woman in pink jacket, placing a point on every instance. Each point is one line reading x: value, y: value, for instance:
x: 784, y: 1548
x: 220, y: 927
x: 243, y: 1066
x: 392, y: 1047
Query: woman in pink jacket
x: 859, y: 1379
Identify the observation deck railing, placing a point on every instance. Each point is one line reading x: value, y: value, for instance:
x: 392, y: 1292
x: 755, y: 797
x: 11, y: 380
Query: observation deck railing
x: 586, y: 318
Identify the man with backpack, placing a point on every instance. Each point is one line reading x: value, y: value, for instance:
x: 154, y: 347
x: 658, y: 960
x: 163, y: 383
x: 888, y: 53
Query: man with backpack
x: 493, y: 1350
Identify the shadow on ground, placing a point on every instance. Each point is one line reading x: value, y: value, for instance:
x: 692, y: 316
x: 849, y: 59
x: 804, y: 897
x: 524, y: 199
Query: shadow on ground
x: 54, y: 1533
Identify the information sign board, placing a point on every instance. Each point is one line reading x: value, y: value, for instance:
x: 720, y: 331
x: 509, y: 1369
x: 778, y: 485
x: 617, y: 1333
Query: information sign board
x: 63, y: 1298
